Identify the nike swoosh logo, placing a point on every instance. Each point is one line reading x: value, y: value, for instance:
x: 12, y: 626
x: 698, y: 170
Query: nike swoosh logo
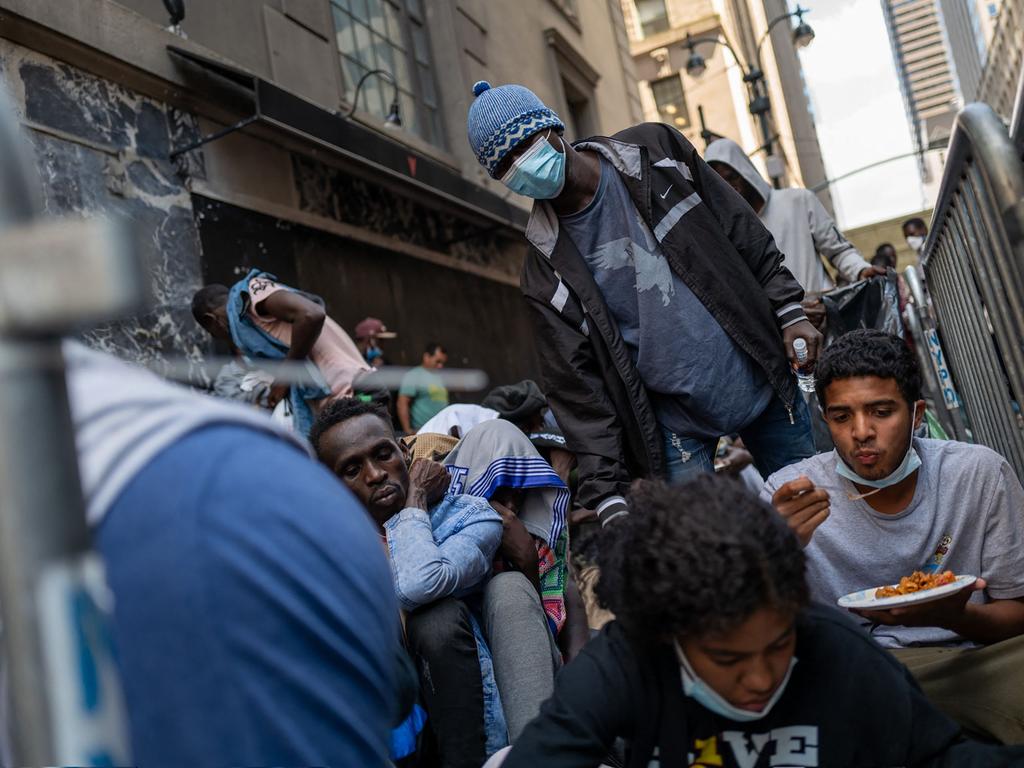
x: 667, y: 191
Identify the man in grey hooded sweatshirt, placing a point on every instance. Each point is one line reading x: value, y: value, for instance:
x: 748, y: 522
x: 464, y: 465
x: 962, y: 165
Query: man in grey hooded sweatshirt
x: 798, y: 221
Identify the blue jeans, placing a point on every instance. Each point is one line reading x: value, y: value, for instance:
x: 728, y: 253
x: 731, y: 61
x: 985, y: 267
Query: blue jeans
x: 774, y: 439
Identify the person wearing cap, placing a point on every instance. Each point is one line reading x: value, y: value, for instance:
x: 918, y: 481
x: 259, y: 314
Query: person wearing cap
x: 256, y: 622
x: 368, y: 332
x: 665, y: 310
x: 525, y: 405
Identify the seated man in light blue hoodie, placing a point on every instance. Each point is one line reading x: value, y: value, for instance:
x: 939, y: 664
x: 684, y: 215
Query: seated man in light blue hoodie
x: 441, y: 547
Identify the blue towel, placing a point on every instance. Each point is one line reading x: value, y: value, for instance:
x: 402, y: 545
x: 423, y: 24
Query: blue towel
x: 254, y: 342
x: 403, y: 738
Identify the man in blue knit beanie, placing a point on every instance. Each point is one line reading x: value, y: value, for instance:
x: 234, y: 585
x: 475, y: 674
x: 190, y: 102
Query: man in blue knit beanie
x: 664, y: 315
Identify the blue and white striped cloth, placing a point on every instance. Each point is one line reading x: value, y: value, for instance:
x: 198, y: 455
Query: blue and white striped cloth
x: 496, y: 454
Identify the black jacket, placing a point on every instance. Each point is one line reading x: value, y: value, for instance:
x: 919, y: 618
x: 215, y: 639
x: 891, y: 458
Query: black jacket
x: 848, y: 704
x: 713, y: 241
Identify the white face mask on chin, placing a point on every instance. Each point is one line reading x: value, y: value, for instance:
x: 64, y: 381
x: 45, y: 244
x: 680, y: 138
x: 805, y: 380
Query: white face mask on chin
x: 910, y: 464
x: 710, y: 699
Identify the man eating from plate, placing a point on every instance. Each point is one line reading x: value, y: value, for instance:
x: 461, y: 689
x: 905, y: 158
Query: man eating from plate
x: 884, y: 504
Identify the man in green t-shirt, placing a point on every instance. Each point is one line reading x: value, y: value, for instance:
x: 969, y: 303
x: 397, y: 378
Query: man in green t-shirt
x: 422, y: 394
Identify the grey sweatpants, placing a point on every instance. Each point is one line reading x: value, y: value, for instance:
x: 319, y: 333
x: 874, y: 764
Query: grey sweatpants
x: 522, y: 648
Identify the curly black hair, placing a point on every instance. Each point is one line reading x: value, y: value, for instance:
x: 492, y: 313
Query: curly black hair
x: 697, y: 558
x: 343, y: 409
x: 867, y: 352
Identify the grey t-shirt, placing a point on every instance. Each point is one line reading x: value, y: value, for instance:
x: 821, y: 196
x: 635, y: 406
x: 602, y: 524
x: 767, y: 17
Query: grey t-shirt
x: 967, y: 516
x: 702, y: 385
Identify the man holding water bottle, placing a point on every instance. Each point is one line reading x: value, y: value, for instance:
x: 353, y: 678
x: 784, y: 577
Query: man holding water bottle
x: 665, y: 314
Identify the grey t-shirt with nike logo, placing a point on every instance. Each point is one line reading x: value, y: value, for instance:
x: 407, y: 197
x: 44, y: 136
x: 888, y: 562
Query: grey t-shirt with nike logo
x: 967, y: 516
x: 701, y: 384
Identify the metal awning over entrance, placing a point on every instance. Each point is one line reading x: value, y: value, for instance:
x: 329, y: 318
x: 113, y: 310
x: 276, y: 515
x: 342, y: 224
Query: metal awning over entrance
x: 299, y: 118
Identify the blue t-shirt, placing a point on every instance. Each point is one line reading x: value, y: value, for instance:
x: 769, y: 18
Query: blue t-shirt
x: 255, y: 619
x: 701, y: 384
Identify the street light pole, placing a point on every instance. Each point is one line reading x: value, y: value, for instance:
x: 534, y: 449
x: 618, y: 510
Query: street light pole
x: 759, y: 104
x: 753, y: 75
x: 802, y: 36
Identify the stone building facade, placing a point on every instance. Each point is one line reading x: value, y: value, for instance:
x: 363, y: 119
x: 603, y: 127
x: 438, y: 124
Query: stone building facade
x: 401, y: 224
x: 1004, y: 67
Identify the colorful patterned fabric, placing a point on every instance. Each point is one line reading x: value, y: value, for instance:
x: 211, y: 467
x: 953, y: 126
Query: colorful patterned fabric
x: 553, y: 573
x: 553, y: 567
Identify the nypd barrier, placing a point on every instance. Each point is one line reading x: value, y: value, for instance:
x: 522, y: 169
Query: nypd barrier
x: 973, y: 264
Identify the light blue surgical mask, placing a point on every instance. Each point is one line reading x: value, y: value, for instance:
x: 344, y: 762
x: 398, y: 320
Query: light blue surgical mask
x: 910, y: 464
x: 708, y: 698
x: 539, y: 172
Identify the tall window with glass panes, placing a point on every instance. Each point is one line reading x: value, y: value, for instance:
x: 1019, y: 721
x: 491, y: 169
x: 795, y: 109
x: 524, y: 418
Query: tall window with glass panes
x: 390, y: 35
x: 652, y: 15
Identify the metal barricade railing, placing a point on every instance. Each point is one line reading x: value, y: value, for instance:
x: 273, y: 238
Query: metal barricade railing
x: 56, y: 276
x: 938, y: 382
x: 974, y: 266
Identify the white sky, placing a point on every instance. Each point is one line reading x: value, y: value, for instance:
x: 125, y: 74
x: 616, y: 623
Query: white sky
x: 859, y: 112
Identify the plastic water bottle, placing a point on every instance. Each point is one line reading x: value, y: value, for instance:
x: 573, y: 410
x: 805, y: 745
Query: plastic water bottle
x: 804, y: 378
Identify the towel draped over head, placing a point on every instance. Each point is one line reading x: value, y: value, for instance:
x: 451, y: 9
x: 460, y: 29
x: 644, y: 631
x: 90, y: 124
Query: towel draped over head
x: 254, y: 343
x: 496, y: 454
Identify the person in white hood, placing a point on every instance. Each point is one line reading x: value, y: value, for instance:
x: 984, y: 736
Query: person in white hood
x: 797, y: 220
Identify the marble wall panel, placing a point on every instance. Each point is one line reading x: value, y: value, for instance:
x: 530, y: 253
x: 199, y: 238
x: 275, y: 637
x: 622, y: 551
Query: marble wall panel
x: 101, y: 149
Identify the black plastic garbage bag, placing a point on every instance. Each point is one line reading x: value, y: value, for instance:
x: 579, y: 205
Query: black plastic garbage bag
x: 873, y: 303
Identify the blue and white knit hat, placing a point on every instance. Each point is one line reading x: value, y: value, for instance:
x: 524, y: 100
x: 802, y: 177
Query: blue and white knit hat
x: 502, y: 117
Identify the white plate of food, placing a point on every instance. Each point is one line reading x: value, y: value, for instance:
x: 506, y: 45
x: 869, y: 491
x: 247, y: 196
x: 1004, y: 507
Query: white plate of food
x: 914, y: 589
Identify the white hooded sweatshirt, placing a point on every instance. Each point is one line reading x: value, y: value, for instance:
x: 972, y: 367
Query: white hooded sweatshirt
x: 799, y: 223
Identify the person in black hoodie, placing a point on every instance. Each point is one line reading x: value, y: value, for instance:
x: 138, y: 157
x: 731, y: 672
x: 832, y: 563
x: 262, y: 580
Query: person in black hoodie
x: 716, y: 657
